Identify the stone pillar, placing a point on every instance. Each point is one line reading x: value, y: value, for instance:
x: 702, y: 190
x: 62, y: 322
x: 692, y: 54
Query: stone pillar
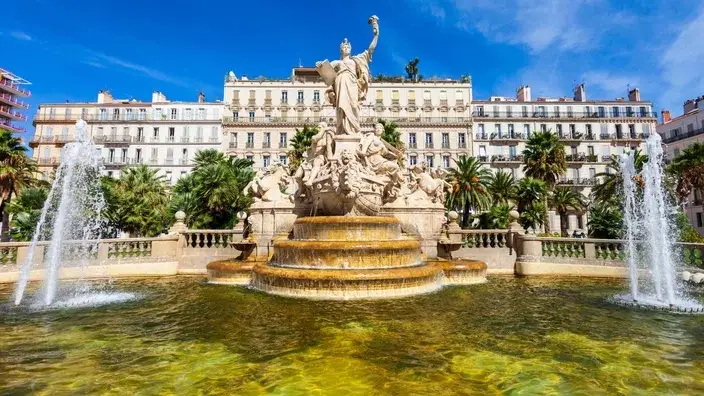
x: 529, y: 247
x: 514, y: 230
x: 179, y: 226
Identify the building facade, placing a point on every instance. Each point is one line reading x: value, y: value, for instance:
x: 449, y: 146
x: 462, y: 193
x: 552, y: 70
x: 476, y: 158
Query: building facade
x: 11, y: 103
x: 678, y: 133
x: 161, y: 133
x: 591, y: 130
x: 262, y: 115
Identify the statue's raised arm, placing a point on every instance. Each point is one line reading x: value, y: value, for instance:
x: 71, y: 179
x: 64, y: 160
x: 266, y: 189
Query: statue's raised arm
x: 374, y: 21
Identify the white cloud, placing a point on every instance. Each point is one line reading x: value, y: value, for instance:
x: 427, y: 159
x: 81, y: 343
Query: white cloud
x: 21, y: 36
x: 141, y: 69
x: 682, y: 62
x: 610, y: 83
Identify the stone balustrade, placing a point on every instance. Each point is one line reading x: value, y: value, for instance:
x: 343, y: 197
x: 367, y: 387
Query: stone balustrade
x: 506, y: 251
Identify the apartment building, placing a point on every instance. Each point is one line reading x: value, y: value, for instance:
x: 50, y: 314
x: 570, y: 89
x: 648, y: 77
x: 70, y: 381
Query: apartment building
x: 678, y: 133
x: 162, y: 134
x: 592, y: 130
x: 11, y: 104
x: 262, y: 115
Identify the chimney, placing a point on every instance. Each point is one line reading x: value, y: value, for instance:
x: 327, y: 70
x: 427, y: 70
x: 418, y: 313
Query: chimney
x: 634, y: 95
x: 580, y: 93
x: 690, y: 105
x: 158, y: 97
x: 104, y: 96
x: 666, y: 117
x: 201, y: 97
x: 523, y: 93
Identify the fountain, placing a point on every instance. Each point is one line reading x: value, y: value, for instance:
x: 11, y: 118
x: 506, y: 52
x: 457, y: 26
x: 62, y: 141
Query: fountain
x: 359, y: 224
x: 69, y: 226
x: 649, y: 234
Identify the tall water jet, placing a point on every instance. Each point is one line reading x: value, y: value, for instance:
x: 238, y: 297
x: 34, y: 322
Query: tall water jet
x: 648, y: 227
x: 70, y: 219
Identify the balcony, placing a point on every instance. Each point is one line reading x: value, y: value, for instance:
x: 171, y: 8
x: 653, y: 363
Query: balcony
x: 113, y: 140
x: 249, y: 145
x: 581, y: 182
x: 122, y: 118
x: 11, y: 101
x: 560, y: 115
x: 581, y: 157
x: 445, y: 145
x: 683, y: 136
x: 183, y: 161
x: 462, y: 145
x: 266, y: 145
x: 233, y: 145
x: 11, y: 114
x: 112, y: 163
x: 7, y: 86
x: 481, y: 136
x: 428, y: 145
x: 283, y: 145
x: 483, y: 158
x: 49, y: 161
x: 412, y: 145
x: 5, y: 124
x: 500, y: 158
x: 506, y: 137
x: 365, y: 120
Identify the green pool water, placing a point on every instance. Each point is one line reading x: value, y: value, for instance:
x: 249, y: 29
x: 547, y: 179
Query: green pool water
x: 508, y: 336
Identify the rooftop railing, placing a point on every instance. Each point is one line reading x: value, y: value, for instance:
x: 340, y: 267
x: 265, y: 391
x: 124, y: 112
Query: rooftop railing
x: 562, y: 115
x: 683, y: 136
x: 7, y: 85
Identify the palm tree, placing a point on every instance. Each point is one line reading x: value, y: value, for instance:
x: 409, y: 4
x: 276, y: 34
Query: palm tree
x: 563, y: 200
x: 412, y: 69
x: 26, y: 210
x: 17, y: 171
x: 605, y: 220
x: 611, y: 183
x: 544, y: 159
x: 469, y: 181
x: 529, y: 196
x: 208, y: 157
x: 300, y: 143
x: 141, y: 198
x: 502, y: 187
x: 495, y: 218
x: 688, y: 169
x: 392, y: 135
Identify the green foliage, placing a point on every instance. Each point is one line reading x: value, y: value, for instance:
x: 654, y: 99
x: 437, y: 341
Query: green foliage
x: 497, y: 217
x: 533, y: 215
x: 300, y: 143
x: 544, y: 157
x: 611, y: 184
x: 605, y: 220
x: 564, y: 200
x: 392, y: 135
x: 688, y: 170
x: 136, y: 202
x: 530, y: 197
x: 213, y: 193
x: 469, y: 180
x: 26, y: 210
x: 412, y: 70
x: 687, y: 232
x: 502, y: 187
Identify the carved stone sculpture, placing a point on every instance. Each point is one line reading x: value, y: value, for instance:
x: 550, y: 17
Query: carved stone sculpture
x: 348, y: 80
x: 268, y: 183
x: 431, y: 183
x: 381, y: 158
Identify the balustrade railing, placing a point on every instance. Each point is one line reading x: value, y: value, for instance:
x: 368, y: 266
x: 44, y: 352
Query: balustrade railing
x: 200, y: 239
x: 131, y: 248
x: 483, y: 238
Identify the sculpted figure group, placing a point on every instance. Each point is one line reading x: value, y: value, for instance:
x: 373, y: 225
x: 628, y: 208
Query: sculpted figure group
x: 349, y: 170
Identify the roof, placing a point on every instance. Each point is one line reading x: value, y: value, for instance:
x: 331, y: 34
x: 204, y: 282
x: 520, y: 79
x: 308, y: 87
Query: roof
x: 13, y: 77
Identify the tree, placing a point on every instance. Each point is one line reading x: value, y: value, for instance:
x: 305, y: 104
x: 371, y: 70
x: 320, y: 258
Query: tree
x: 26, y: 210
x: 544, y: 159
x: 465, y: 78
x: 611, y: 183
x: 139, y: 197
x: 605, y: 220
x: 497, y: 217
x: 564, y: 200
x: 688, y: 169
x: 469, y: 181
x: 412, y: 70
x: 213, y: 193
x: 300, y: 143
x: 392, y: 135
x: 502, y: 187
x: 529, y: 196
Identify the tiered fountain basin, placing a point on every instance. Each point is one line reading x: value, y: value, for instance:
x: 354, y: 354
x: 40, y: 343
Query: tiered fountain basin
x: 345, y: 258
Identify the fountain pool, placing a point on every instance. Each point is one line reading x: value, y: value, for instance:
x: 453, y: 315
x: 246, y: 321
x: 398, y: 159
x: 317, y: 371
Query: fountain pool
x: 509, y: 335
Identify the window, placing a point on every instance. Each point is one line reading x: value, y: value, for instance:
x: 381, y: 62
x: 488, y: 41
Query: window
x: 140, y: 134
x: 128, y: 114
x: 283, y: 159
x: 629, y: 111
x: 284, y: 96
x: 265, y: 162
x: 201, y: 114
x: 267, y: 139
x: 614, y: 111
x: 619, y: 132
x: 446, y: 140
x: 559, y: 129
x: 588, y: 111
x: 569, y: 111
x: 429, y: 159
x: 575, y: 174
x: 429, y: 140
x: 64, y: 132
x: 168, y: 177
x: 394, y: 96
x: 632, y: 130
x: 482, y: 151
x: 138, y: 155
x: 643, y: 111
x: 512, y: 152
x: 412, y: 140
x: 199, y: 134
x: 462, y: 140
x: 589, y: 129
x: 116, y: 114
x: 445, y: 161
x: 443, y: 96
x: 184, y: 154
x: 590, y: 150
x: 426, y: 96
x: 233, y: 140
x: 458, y: 95
x: 155, y: 136
x: 250, y: 158
x: 541, y: 111
x: 543, y: 128
x: 300, y: 96
x: 556, y: 109
x: 580, y: 221
x: 690, y: 127
x: 411, y: 96
x: 235, y: 115
x: 251, y: 116
x: 183, y: 173
x: 250, y: 139
x: 174, y: 114
x: 511, y: 131
x: 601, y: 112
x: 188, y: 114
x: 480, y: 130
x: 699, y: 219
x: 412, y: 160
x: 103, y: 114
x: 604, y: 131
x: 592, y: 173
x: 214, y: 134
x: 316, y: 96
x: 169, y: 154
x: 113, y: 133
x: 154, y: 155
x: 172, y: 134
x: 646, y: 130
x: 480, y: 111
x: 111, y: 155
x: 526, y: 130
x: 573, y: 129
x: 283, y: 140
x: 509, y: 111
x: 524, y: 111
x: 497, y: 129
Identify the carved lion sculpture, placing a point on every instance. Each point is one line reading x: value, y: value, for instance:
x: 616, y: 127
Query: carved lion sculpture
x: 268, y: 183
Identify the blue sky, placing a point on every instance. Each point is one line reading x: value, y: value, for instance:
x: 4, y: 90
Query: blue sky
x: 70, y: 49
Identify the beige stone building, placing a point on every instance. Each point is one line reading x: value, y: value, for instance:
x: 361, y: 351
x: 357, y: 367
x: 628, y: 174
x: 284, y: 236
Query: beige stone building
x: 678, y: 133
x: 11, y: 103
x: 162, y: 134
x: 262, y: 115
x: 592, y: 130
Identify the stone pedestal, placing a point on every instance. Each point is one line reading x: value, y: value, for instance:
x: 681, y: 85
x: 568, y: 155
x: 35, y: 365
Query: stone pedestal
x: 345, y: 142
x: 427, y: 221
x: 270, y: 220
